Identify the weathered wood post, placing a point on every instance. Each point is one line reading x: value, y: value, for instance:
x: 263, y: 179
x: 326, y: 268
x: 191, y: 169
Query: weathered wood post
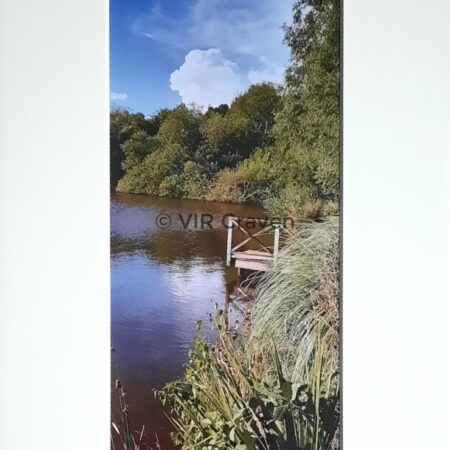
x: 276, y: 244
x: 229, y: 240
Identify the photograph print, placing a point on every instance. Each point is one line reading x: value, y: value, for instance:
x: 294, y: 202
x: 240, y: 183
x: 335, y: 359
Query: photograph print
x: 225, y: 177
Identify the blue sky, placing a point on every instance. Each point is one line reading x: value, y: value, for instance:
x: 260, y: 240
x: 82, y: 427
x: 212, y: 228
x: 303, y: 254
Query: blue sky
x: 196, y: 51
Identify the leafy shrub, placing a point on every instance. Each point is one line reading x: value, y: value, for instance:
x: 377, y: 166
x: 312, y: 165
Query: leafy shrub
x: 194, y: 179
x: 234, y: 395
x: 227, y: 187
x: 259, y: 174
x: 146, y: 178
x: 287, y: 200
x: 136, y: 181
x: 252, y: 180
x: 171, y: 186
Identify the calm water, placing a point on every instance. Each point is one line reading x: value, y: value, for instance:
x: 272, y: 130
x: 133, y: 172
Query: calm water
x: 163, y: 282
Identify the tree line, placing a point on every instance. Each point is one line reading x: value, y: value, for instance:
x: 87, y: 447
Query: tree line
x: 277, y: 145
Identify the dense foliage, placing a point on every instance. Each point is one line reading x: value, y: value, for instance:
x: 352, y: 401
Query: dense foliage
x: 182, y: 152
x: 308, y: 123
x: 277, y: 145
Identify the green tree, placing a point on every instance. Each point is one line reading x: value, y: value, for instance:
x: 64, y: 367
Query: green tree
x: 258, y: 106
x: 123, y: 126
x: 146, y: 177
x: 154, y: 122
x: 231, y: 136
x: 117, y: 120
x: 221, y: 109
x: 181, y: 127
x: 154, y: 164
x: 225, y: 141
x: 308, y: 122
x: 136, y: 148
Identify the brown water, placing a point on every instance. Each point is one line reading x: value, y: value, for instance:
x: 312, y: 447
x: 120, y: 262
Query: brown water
x: 162, y: 282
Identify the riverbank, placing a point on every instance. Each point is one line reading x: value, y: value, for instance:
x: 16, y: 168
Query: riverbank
x: 312, y: 208
x: 276, y: 387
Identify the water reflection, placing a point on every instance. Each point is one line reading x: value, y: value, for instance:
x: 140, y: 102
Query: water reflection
x: 163, y: 282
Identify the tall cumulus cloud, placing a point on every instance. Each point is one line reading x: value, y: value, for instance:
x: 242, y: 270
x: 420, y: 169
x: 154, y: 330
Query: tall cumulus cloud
x: 207, y: 78
x: 227, y: 46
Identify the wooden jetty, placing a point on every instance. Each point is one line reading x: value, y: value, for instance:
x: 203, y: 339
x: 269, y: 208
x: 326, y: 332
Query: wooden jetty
x: 261, y: 259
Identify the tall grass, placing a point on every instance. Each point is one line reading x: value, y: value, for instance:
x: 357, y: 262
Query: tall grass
x: 297, y: 303
x: 297, y: 306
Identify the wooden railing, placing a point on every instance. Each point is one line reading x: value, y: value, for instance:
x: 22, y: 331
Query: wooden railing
x: 234, y: 223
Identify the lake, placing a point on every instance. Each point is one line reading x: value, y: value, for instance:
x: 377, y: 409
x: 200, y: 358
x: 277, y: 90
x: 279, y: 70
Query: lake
x: 164, y: 278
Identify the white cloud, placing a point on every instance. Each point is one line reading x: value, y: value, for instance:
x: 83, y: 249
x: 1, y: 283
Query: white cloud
x: 270, y: 72
x: 118, y: 97
x: 247, y: 32
x: 207, y: 78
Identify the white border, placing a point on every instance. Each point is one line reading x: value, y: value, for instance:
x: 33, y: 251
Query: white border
x: 54, y: 224
x: 396, y: 292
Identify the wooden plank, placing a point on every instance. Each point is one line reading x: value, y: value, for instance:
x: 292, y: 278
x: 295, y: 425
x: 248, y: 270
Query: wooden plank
x: 276, y: 245
x: 249, y: 253
x: 251, y: 257
x: 229, y: 243
x: 254, y: 252
x: 253, y: 265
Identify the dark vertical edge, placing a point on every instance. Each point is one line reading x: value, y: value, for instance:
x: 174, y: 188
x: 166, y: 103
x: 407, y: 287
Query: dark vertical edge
x: 341, y: 221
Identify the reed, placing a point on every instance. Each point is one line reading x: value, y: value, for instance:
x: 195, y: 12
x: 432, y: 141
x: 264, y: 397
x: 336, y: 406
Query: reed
x: 123, y: 436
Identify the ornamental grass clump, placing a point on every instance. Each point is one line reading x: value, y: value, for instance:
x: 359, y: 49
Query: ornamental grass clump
x: 297, y: 303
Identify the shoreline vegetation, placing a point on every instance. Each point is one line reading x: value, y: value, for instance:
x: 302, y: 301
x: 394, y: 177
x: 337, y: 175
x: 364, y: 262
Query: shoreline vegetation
x: 277, y: 385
